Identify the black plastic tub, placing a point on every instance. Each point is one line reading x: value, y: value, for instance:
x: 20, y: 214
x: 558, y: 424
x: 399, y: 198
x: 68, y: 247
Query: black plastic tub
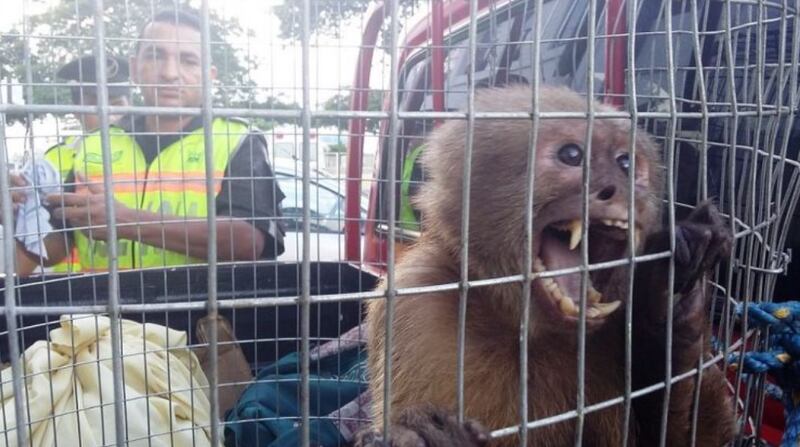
x: 265, y: 333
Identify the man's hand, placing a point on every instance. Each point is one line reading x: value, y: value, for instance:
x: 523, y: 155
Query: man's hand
x: 18, y: 195
x: 87, y: 209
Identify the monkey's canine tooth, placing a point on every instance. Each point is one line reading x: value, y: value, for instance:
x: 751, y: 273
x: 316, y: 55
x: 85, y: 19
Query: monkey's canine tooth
x: 593, y: 295
x: 592, y: 312
x: 603, y: 309
x: 576, y: 233
x: 567, y: 306
x: 538, y: 264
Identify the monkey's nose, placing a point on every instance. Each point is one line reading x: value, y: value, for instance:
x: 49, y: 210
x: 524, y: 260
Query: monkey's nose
x: 606, y: 193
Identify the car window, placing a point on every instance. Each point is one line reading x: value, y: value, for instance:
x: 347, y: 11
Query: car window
x: 494, y: 37
x: 498, y: 52
x: 283, y: 149
x: 325, y: 208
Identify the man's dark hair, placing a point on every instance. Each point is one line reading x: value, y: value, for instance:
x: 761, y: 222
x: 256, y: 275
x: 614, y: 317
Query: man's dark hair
x: 185, y: 17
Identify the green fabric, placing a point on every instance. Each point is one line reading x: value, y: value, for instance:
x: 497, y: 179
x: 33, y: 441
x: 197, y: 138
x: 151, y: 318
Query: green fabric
x: 268, y: 412
x: 408, y: 219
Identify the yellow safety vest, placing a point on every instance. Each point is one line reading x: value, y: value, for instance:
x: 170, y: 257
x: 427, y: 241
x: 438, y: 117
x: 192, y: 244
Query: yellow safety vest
x: 62, y: 156
x: 173, y: 183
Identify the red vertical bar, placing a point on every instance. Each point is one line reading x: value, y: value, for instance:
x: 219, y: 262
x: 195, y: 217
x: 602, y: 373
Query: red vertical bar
x: 359, y: 101
x: 437, y: 56
x: 616, y: 53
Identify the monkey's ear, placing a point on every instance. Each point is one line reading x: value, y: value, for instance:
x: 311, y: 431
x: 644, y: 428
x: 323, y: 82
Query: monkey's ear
x: 642, y: 171
x: 648, y: 154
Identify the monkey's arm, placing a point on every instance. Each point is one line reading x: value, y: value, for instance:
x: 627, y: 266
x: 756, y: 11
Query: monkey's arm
x: 700, y: 243
x: 423, y: 361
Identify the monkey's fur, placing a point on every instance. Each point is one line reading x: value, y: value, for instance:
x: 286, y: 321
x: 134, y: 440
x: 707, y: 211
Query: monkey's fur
x: 424, y: 344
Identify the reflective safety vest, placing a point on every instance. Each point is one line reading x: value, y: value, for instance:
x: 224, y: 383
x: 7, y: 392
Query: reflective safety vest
x: 62, y: 156
x: 174, y: 184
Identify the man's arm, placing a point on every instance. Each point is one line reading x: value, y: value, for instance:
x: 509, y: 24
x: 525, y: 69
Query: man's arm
x: 27, y: 262
x: 236, y: 240
x: 251, y: 193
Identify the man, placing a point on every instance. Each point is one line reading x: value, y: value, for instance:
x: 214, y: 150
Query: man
x: 80, y: 73
x: 159, y: 183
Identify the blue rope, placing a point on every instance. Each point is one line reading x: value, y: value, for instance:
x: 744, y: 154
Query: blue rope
x: 779, y: 359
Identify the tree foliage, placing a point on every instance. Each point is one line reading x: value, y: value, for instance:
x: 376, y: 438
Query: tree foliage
x: 327, y: 15
x: 342, y: 102
x: 326, y: 18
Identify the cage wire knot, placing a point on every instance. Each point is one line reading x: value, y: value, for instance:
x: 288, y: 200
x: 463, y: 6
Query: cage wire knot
x: 779, y: 357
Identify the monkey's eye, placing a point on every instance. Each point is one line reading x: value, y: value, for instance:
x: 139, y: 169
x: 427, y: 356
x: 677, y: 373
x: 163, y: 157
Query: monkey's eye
x: 571, y: 155
x: 624, y: 162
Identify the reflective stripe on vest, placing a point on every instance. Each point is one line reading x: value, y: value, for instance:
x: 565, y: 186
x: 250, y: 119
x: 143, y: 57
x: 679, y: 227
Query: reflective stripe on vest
x: 174, y: 183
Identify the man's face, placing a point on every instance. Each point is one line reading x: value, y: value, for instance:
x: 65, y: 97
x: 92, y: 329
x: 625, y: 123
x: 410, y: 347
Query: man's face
x: 167, y: 66
x: 91, y: 121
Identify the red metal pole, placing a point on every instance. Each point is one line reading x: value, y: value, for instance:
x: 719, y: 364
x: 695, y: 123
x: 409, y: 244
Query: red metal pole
x: 359, y: 100
x: 616, y: 53
x: 437, y: 56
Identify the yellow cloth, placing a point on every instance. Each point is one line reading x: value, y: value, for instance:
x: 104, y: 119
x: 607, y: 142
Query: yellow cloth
x: 65, y: 386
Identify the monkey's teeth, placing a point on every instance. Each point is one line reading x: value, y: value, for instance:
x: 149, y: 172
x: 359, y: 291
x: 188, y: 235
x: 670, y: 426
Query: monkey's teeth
x: 576, y: 233
x: 616, y: 223
x: 604, y: 308
x: 601, y: 310
x: 538, y: 264
x: 593, y: 295
x: 595, y: 308
x: 567, y: 306
x: 637, y: 238
x: 592, y: 312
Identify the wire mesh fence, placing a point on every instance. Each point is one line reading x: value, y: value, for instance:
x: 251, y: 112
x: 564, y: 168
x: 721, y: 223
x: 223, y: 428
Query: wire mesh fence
x: 229, y: 187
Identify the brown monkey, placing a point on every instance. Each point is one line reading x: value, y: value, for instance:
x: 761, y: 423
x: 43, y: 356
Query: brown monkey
x: 425, y: 326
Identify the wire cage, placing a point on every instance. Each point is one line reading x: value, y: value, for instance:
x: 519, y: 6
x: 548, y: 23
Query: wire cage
x: 295, y: 130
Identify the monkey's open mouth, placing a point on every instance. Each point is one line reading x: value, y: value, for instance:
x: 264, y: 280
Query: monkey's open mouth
x: 560, y: 244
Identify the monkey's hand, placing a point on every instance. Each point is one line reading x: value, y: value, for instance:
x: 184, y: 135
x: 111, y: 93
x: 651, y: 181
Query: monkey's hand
x: 426, y: 426
x: 701, y: 241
